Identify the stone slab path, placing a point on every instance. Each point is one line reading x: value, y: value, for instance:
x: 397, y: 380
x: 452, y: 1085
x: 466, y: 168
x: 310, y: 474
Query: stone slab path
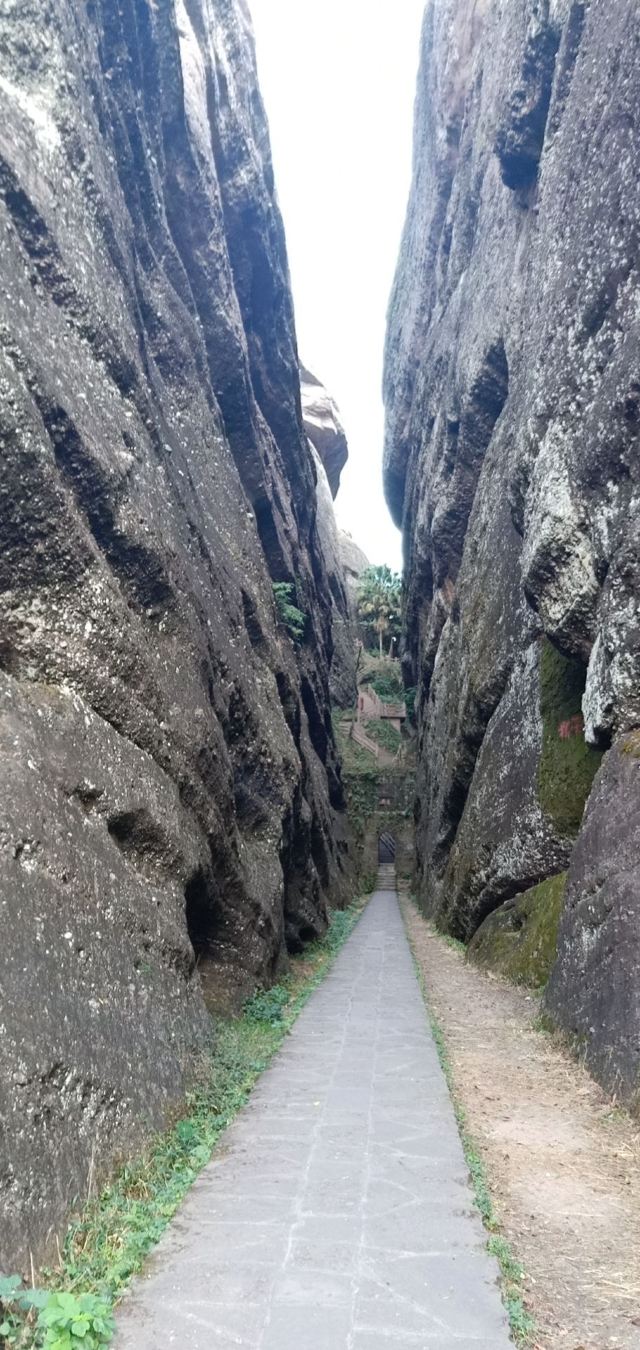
x: 337, y: 1213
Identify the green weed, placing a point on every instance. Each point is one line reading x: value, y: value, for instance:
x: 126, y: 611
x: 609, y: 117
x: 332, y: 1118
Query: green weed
x: 453, y: 942
x: 55, y: 1321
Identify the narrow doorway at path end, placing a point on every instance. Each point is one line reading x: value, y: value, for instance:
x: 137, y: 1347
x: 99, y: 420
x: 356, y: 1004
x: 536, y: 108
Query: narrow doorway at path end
x: 386, y: 848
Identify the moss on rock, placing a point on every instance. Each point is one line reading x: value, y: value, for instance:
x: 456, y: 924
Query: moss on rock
x: 567, y: 764
x: 520, y: 938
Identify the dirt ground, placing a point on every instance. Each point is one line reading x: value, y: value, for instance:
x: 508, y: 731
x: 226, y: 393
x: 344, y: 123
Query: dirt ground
x: 562, y: 1161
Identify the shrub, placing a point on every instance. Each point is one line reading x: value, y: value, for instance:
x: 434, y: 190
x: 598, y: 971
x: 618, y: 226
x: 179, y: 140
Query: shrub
x: 290, y: 616
x: 389, y: 688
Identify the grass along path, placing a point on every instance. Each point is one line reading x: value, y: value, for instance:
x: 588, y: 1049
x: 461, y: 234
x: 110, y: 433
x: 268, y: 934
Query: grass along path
x: 558, y: 1166
x: 520, y: 1321
x: 109, y: 1241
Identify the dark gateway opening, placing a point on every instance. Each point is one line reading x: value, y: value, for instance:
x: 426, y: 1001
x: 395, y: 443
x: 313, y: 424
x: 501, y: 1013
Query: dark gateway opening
x: 386, y: 848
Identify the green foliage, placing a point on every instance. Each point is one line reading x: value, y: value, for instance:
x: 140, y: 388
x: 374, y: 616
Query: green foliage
x: 70, y: 1321
x: 19, y: 1307
x: 455, y: 943
x: 379, y: 602
x: 385, y: 734
x: 290, y: 616
x: 521, y: 941
x: 410, y: 702
x: 355, y: 758
x: 567, y: 764
x: 109, y: 1241
x: 388, y: 686
x: 53, y: 1321
x: 268, y: 1005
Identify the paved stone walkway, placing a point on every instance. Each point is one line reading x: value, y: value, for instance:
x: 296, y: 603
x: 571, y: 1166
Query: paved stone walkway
x: 337, y: 1213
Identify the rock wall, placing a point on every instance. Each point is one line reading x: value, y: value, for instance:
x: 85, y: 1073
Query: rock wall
x: 328, y: 447
x: 323, y: 427
x: 513, y: 413
x: 354, y: 563
x: 170, y: 797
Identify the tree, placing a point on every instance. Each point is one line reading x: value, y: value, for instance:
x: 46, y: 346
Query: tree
x: 379, y: 602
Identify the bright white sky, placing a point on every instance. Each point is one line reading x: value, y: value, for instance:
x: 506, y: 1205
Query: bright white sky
x: 338, y: 79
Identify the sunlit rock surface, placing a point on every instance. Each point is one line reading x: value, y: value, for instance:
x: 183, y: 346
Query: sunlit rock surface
x: 323, y: 427
x: 513, y: 412
x: 328, y: 446
x: 170, y: 800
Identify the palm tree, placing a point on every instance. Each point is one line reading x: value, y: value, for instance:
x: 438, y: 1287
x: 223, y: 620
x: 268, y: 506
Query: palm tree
x: 379, y: 601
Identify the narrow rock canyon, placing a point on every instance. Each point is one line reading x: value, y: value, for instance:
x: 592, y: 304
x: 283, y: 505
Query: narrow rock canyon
x: 186, y: 793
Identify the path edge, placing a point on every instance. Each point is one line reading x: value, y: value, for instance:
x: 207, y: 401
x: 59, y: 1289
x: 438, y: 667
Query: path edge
x: 521, y: 1324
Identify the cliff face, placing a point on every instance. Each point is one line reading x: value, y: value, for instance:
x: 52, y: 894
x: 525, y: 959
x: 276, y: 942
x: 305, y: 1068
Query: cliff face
x: 170, y: 800
x: 328, y: 447
x: 324, y: 428
x: 513, y: 410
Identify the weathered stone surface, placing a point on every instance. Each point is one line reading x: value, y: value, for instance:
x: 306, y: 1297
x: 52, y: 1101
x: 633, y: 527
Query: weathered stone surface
x: 323, y: 427
x: 344, y: 628
x: 511, y: 454
x: 520, y: 939
x: 328, y: 447
x: 155, y: 479
x: 505, y: 842
x: 102, y: 1006
x: 354, y: 562
x: 594, y: 990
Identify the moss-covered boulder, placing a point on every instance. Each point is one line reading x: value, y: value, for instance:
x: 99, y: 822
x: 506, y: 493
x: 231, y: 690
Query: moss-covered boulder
x: 567, y: 765
x: 520, y: 939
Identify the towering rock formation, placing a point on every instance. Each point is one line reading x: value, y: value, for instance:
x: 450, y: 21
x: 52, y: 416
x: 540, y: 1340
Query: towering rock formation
x: 170, y: 799
x: 324, y: 428
x: 513, y: 412
x: 354, y: 563
x: 328, y: 446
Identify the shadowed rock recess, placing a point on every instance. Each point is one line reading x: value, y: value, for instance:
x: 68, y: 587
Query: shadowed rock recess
x: 170, y: 797
x: 513, y: 413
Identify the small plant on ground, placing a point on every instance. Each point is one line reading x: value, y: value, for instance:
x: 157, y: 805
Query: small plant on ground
x: 290, y: 616
x: 268, y: 1005
x: 453, y: 942
x: 53, y: 1321
x: 70, y: 1321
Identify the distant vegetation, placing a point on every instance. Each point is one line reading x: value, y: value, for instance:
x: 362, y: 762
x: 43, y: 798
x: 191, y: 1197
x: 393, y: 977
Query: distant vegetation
x: 385, y: 734
x: 388, y: 685
x: 380, y: 607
